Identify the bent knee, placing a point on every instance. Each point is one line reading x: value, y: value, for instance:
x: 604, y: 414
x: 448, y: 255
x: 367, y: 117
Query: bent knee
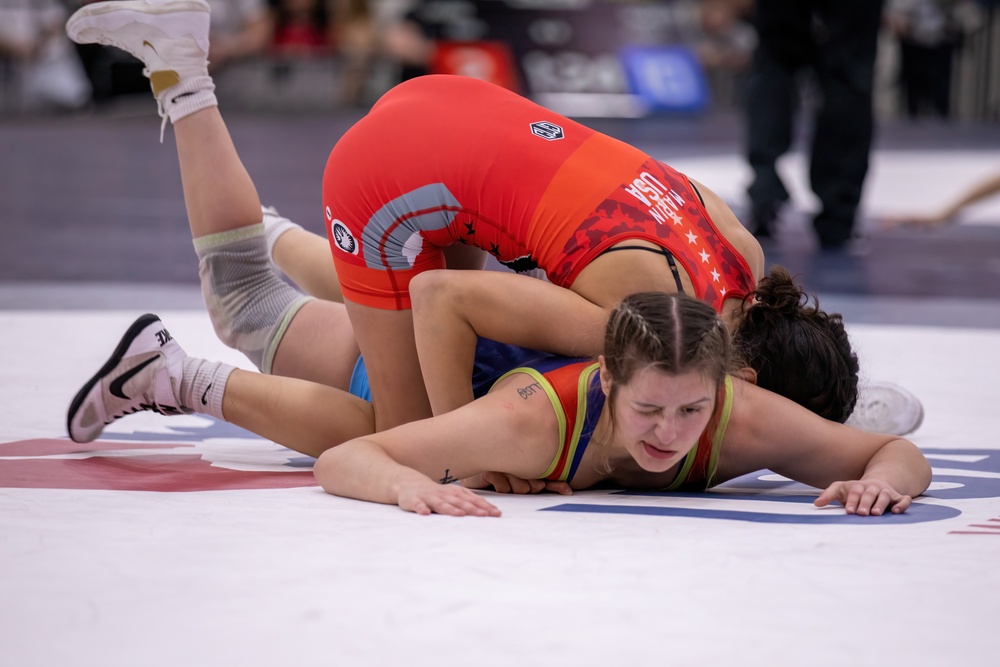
x: 248, y: 305
x: 429, y: 287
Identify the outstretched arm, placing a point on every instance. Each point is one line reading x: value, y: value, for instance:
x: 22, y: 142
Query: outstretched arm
x: 452, y: 308
x: 944, y: 216
x: 896, y: 465
x: 868, y: 473
x: 412, y: 465
x: 363, y: 469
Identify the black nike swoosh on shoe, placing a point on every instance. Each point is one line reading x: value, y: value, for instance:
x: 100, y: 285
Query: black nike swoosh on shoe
x: 117, y: 386
x: 204, y: 401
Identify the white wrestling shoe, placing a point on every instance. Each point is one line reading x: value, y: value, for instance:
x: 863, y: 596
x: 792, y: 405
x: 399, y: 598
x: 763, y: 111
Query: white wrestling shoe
x: 884, y: 407
x: 143, y: 373
x: 169, y: 36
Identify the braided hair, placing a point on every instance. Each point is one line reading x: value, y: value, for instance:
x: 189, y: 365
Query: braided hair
x: 671, y: 332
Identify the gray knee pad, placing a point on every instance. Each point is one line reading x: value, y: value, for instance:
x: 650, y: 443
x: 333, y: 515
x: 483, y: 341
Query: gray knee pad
x: 250, y: 307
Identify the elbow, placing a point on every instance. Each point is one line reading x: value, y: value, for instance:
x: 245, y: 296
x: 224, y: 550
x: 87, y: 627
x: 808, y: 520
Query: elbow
x: 921, y: 472
x: 926, y: 475
x: 324, y: 470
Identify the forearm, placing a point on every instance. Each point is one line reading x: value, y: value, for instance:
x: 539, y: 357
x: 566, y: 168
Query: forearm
x: 362, y: 470
x: 902, y: 466
x: 446, y: 345
x: 451, y: 309
x: 982, y: 191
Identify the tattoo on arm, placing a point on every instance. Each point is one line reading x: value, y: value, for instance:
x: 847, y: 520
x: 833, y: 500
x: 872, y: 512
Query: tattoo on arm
x: 447, y: 479
x: 529, y: 390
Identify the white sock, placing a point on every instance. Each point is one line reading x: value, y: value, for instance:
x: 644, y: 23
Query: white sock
x: 203, y: 385
x: 185, y: 98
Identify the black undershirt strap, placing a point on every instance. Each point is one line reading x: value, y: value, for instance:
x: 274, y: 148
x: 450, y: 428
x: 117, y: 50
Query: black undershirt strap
x: 658, y: 251
x: 695, y: 188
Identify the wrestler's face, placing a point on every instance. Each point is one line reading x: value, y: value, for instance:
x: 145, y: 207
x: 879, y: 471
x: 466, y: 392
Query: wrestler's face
x: 659, y: 416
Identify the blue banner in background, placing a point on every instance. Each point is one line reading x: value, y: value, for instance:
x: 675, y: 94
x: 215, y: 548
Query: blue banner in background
x: 666, y: 78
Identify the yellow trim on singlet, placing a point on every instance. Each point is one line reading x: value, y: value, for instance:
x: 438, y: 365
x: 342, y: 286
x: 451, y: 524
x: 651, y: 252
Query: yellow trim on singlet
x: 582, y: 391
x: 556, y: 406
x: 720, y: 432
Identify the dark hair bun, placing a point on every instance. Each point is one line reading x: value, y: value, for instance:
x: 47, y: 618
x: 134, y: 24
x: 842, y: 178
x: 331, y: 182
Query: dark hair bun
x: 778, y: 291
x: 798, y: 350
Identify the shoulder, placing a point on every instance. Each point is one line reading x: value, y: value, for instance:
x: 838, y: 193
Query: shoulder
x: 755, y: 415
x: 512, y: 430
x: 754, y: 412
x: 526, y: 399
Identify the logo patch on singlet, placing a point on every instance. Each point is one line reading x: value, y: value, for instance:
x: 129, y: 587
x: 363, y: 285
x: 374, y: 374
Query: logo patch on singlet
x: 343, y: 238
x: 546, y: 130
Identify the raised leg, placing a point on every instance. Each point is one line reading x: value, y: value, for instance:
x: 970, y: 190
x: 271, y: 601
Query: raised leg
x: 251, y: 308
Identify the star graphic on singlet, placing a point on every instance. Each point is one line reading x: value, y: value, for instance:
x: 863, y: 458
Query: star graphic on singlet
x: 715, y: 275
x: 704, y: 257
x: 692, y: 237
x: 469, y: 229
x: 494, y: 249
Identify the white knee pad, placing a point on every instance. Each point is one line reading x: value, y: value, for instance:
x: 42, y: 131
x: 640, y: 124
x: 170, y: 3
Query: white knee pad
x: 250, y: 307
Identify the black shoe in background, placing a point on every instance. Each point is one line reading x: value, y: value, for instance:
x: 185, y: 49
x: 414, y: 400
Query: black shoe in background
x: 762, y: 219
x: 833, y: 233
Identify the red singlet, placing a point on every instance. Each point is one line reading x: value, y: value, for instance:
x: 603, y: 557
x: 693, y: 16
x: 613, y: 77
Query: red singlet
x: 449, y: 159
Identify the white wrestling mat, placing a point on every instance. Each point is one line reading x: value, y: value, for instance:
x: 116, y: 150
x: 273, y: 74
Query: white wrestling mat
x: 186, y: 542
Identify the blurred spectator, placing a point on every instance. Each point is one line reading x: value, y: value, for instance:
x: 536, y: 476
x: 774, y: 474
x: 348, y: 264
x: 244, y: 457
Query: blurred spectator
x: 324, y: 29
x: 302, y: 28
x: 355, y: 37
x: 835, y: 40
x: 241, y: 29
x: 411, y: 40
x: 724, y: 43
x: 928, y: 31
x: 47, y: 70
x: 724, y: 40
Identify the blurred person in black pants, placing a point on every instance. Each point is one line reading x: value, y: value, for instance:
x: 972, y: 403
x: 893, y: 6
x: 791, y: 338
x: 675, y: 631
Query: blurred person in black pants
x: 836, y: 40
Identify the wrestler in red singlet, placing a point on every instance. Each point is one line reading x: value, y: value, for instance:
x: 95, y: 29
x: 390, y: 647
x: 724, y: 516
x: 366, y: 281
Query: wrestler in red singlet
x: 448, y: 159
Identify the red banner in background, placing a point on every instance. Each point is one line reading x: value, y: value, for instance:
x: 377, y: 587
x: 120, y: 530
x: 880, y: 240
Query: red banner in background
x: 489, y: 61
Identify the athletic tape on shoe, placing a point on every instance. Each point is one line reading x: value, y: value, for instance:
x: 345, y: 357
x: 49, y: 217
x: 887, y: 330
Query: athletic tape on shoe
x: 250, y: 307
